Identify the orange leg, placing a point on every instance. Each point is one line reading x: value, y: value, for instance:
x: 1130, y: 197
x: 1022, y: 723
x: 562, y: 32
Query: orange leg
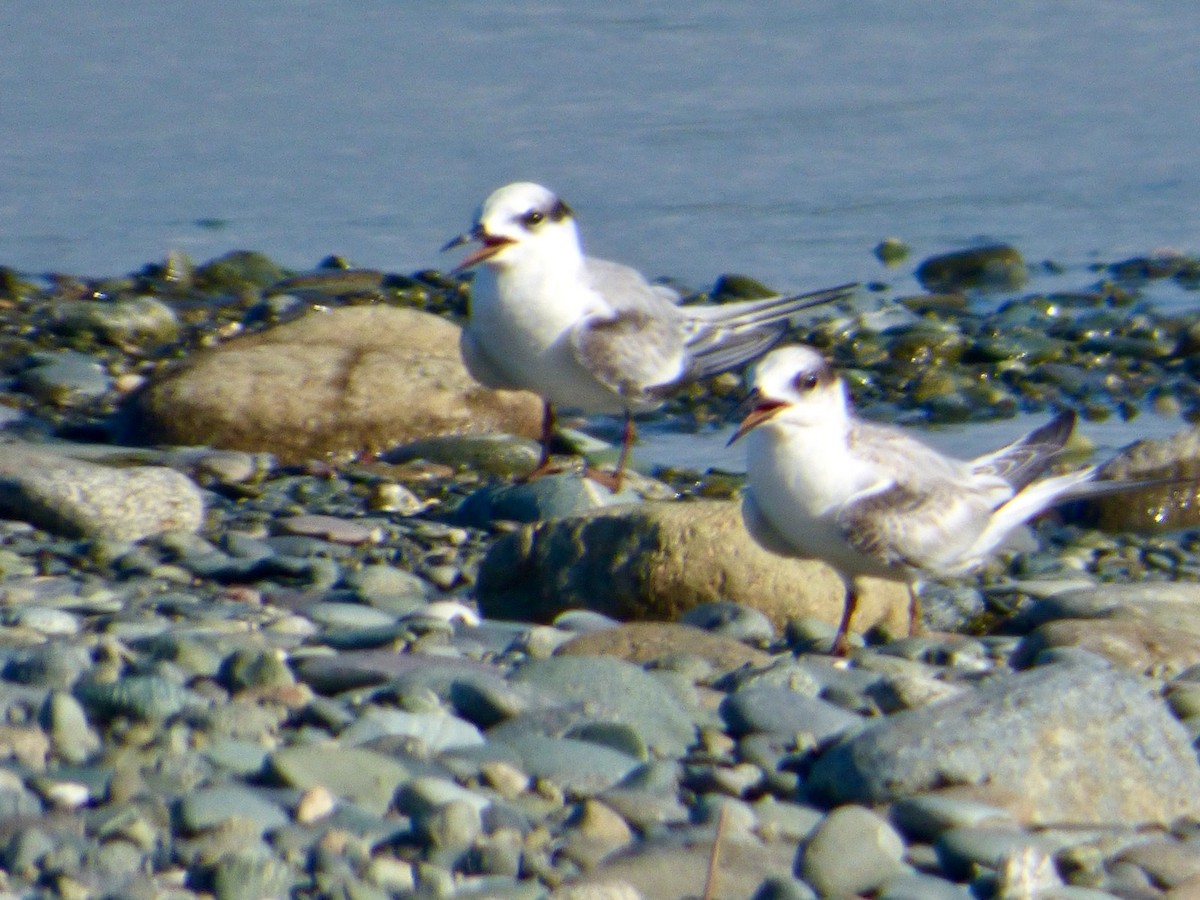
x: 841, y: 642
x: 615, y: 479
x: 914, y: 611
x: 544, y: 467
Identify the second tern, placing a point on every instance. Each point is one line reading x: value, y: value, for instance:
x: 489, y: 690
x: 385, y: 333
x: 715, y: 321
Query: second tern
x: 872, y: 500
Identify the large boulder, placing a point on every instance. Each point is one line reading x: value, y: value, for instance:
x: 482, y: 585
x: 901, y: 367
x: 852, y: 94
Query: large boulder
x: 656, y: 560
x: 337, y: 383
x: 1063, y: 744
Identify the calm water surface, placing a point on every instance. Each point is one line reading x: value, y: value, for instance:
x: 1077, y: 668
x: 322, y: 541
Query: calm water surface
x: 782, y: 140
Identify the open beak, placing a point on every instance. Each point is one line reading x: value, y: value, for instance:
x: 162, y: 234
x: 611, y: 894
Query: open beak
x: 489, y: 246
x: 755, y: 410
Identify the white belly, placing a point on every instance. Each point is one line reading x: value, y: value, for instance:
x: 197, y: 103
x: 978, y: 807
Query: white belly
x: 529, y: 347
x: 798, y: 489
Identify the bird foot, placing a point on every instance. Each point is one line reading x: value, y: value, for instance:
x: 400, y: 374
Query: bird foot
x: 841, y: 646
x: 543, y: 469
x: 614, y: 481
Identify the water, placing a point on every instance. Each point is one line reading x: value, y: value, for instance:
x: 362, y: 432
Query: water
x: 781, y: 140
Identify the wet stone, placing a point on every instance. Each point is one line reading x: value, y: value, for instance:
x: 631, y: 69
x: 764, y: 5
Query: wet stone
x: 65, y: 378
x: 552, y: 497
x: 998, y: 266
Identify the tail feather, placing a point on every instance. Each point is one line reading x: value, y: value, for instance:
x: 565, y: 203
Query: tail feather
x: 724, y: 337
x: 1034, y: 499
x: 751, y: 313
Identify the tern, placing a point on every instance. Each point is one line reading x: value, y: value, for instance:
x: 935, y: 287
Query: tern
x: 590, y: 334
x: 873, y: 501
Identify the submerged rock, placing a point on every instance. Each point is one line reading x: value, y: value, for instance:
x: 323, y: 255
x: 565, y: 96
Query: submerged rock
x: 999, y: 266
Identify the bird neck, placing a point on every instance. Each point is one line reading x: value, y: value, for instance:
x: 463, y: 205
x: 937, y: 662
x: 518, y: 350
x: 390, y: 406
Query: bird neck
x: 555, y: 274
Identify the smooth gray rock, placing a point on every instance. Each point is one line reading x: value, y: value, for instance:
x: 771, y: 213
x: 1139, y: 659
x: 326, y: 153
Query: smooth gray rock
x: 65, y: 378
x: 436, y: 731
x: 352, y: 773
x: 64, y: 719
x: 552, y: 497
x: 251, y: 875
x: 853, y: 851
x: 80, y: 499
x: 148, y: 697
x: 926, y: 816
x: 380, y: 585
x: 1062, y: 744
x: 427, y: 793
x: 600, y: 689
x: 211, y: 807
x: 731, y: 620
x: 581, y: 767
x: 778, y: 710
x: 961, y: 850
x: 125, y: 321
x: 917, y: 886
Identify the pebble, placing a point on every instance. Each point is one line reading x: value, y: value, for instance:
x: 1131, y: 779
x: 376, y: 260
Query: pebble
x: 308, y: 687
x: 877, y: 856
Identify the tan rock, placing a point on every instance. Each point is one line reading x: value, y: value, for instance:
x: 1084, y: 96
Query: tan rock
x: 338, y: 383
x: 1147, y: 627
x: 656, y: 560
x: 1139, y: 646
x: 1157, y: 508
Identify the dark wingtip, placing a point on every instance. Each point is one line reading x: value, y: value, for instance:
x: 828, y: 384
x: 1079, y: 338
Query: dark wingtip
x: 1056, y: 432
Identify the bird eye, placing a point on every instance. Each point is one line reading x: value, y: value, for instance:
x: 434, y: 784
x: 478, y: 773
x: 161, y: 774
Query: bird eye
x: 806, y: 381
x: 533, y: 217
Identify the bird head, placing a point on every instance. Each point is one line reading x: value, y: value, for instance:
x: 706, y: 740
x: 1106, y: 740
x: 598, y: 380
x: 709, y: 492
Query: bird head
x: 518, y: 222
x: 794, y: 385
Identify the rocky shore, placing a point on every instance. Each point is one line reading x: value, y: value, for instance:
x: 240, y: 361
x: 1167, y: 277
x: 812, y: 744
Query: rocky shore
x: 277, y: 621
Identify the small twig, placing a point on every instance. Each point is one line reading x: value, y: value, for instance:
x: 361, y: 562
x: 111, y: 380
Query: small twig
x: 710, y: 880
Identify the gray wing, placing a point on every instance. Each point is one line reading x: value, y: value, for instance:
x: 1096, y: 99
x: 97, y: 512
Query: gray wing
x: 724, y: 336
x: 633, y: 352
x: 926, y: 510
x: 625, y: 288
x: 635, y: 346
x: 1027, y: 458
x: 925, y: 530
